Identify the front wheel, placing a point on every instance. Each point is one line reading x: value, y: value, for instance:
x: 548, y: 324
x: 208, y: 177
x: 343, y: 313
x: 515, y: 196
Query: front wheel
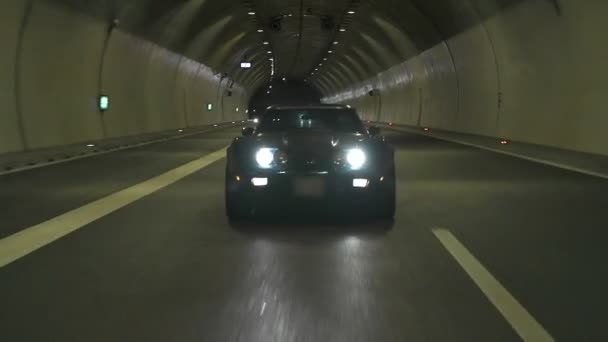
x: 388, y: 197
x: 236, y: 206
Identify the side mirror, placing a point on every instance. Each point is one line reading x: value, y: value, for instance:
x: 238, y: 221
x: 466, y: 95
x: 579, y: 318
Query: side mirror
x: 373, y: 131
x: 248, y: 131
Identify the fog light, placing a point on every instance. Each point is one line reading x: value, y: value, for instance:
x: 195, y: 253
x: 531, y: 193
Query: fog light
x: 259, y: 181
x: 360, y: 183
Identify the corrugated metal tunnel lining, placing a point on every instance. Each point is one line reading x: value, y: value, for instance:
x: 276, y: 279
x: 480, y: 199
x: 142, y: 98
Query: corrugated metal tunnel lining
x: 527, y: 70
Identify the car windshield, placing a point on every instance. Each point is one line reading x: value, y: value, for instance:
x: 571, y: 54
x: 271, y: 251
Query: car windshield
x: 335, y: 120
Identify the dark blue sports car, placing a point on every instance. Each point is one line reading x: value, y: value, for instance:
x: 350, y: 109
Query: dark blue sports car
x: 310, y: 156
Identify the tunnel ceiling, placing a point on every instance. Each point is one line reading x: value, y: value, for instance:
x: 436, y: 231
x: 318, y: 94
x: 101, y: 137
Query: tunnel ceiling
x: 370, y: 35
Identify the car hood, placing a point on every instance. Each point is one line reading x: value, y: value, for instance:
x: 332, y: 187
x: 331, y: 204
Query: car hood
x: 310, y: 141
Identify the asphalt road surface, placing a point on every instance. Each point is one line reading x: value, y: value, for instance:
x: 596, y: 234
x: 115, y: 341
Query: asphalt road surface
x: 134, y: 246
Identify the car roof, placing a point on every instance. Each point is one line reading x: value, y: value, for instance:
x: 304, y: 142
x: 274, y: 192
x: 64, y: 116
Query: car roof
x: 315, y: 106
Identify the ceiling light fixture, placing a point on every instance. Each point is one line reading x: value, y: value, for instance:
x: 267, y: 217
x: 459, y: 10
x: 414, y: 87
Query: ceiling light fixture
x: 251, y: 13
x: 351, y: 12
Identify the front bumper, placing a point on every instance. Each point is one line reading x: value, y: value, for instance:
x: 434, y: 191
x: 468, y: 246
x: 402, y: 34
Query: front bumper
x: 308, y: 190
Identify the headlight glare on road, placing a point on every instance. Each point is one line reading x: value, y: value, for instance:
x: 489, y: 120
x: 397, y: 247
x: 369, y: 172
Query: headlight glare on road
x: 265, y: 157
x: 356, y: 158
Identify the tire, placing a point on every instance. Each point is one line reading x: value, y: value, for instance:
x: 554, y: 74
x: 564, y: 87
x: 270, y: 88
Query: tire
x: 235, y: 205
x: 388, y: 197
x: 235, y: 211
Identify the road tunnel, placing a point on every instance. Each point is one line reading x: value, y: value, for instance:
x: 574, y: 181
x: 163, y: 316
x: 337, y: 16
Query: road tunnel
x: 526, y: 70
x: 113, y: 129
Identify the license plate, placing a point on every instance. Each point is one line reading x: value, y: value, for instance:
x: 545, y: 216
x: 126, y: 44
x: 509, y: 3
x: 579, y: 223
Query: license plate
x: 309, y: 187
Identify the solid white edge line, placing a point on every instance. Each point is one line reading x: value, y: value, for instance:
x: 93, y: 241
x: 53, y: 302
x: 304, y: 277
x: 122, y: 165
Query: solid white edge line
x: 30, y: 239
x: 511, y: 154
x: 518, y: 317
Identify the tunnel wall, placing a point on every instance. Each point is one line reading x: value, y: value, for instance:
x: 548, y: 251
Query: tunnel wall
x: 55, y: 62
x: 534, y: 72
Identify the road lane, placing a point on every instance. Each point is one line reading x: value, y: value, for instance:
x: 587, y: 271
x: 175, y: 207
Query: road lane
x: 34, y: 196
x: 540, y: 230
x: 170, y: 267
x: 30, y: 239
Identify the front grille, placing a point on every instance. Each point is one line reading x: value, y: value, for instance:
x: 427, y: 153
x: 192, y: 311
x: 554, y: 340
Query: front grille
x: 310, y: 162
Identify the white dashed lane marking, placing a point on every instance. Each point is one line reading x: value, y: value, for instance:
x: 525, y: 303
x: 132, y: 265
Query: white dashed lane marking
x: 518, y: 317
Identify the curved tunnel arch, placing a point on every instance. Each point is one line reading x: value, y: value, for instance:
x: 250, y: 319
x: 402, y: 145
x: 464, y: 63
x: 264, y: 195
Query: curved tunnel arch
x: 468, y: 63
x: 359, y: 70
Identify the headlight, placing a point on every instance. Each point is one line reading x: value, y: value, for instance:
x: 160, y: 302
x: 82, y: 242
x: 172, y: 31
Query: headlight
x: 264, y: 157
x: 356, y: 158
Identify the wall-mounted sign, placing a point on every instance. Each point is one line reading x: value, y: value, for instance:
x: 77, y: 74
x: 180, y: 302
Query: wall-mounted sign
x: 104, y: 103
